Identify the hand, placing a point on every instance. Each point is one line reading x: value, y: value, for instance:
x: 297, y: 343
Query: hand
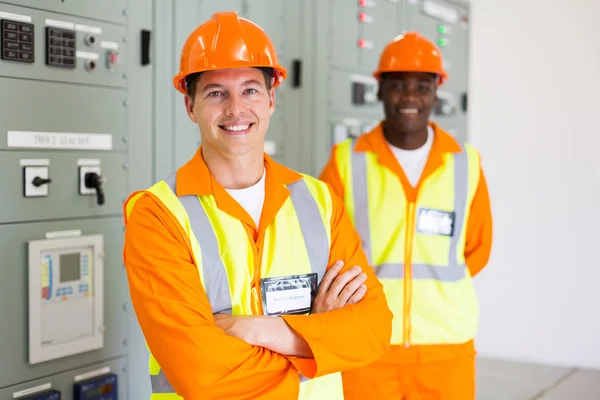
x: 244, y: 327
x: 272, y: 333
x: 336, y: 291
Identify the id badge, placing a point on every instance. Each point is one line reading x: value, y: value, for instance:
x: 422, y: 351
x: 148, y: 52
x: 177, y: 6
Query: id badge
x: 288, y: 295
x: 435, y: 222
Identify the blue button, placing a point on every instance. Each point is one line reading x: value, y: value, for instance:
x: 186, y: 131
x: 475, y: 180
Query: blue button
x: 70, y: 290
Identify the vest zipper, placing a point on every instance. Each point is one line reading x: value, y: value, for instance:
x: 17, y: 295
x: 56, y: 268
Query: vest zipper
x: 408, y: 245
x: 256, y: 300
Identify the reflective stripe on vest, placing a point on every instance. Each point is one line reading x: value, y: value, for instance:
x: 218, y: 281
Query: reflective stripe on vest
x: 214, y: 277
x: 451, y: 273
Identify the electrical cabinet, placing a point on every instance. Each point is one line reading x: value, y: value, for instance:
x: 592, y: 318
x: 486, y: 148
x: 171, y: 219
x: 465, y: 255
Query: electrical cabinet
x: 347, y: 40
x: 69, y: 73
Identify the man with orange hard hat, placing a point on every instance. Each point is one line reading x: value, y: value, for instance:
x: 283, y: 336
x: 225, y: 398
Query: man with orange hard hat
x: 247, y: 278
x: 419, y: 200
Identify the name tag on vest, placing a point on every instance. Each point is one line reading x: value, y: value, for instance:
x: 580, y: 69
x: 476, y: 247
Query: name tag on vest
x: 435, y: 222
x: 288, y: 294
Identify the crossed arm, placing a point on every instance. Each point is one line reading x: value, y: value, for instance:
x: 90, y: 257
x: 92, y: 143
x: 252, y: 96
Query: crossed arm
x: 334, y: 292
x: 197, y: 356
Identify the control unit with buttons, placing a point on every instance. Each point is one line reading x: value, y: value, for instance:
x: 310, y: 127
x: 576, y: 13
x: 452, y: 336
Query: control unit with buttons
x: 65, y: 296
x: 60, y: 47
x: 17, y: 41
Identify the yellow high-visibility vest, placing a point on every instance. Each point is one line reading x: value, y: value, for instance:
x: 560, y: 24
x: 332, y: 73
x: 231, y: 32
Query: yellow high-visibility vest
x: 417, y: 248
x: 305, y: 218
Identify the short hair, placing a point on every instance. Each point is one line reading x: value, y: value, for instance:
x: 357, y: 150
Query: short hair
x: 191, y: 81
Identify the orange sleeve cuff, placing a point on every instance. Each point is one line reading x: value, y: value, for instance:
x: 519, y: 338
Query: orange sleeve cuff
x: 478, y: 245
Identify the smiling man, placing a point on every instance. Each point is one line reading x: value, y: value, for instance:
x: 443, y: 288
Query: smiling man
x: 419, y: 201
x: 247, y: 278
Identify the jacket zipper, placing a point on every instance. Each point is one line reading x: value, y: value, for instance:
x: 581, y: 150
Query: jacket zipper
x: 408, y: 245
x: 257, y: 306
x: 256, y: 300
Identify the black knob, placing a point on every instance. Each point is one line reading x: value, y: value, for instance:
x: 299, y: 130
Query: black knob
x: 37, y: 181
x: 94, y: 181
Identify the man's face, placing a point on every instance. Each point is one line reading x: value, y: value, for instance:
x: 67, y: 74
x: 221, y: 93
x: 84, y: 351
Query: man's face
x: 232, y: 108
x: 407, y: 99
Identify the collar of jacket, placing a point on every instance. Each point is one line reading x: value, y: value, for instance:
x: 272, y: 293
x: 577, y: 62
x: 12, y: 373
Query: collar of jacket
x: 194, y: 178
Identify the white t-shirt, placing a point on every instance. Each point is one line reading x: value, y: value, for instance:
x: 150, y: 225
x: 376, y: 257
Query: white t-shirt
x: 251, y: 198
x: 413, y: 161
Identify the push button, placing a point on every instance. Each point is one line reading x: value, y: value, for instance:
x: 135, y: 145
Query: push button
x: 17, y: 41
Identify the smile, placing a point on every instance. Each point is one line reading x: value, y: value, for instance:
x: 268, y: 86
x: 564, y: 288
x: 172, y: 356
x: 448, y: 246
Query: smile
x: 409, y: 111
x: 237, y: 128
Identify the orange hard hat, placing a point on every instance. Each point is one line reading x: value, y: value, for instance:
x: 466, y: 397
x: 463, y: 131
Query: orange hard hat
x: 412, y: 52
x: 227, y: 41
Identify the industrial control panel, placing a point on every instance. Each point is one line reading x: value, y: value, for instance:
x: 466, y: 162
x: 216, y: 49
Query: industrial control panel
x: 66, y: 296
x: 348, y: 38
x: 74, y: 78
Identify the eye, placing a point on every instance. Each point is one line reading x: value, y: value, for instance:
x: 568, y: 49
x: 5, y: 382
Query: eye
x: 424, y: 87
x: 398, y: 85
x: 214, y: 94
x: 251, y: 91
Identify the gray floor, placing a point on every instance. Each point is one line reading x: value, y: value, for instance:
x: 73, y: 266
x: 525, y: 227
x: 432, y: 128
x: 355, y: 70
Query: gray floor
x: 504, y: 380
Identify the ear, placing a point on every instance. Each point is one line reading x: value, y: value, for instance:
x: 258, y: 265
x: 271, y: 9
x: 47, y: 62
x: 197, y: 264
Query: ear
x: 271, y: 101
x: 189, y: 107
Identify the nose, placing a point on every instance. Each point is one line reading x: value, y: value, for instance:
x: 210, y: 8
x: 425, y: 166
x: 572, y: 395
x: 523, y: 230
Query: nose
x: 235, y: 105
x: 409, y: 92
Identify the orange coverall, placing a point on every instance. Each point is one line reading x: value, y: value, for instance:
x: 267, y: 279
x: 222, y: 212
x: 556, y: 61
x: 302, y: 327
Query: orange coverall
x: 198, y: 358
x: 421, y: 371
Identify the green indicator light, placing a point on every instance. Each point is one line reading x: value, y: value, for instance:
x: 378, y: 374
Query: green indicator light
x: 442, y: 42
x: 442, y: 29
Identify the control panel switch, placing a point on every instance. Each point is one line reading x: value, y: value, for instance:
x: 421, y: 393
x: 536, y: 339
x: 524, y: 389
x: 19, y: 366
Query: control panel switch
x: 35, y: 181
x: 91, y: 181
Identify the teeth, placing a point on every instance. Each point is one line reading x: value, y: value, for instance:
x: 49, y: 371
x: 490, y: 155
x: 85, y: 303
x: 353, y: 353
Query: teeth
x: 409, y: 111
x: 236, y: 128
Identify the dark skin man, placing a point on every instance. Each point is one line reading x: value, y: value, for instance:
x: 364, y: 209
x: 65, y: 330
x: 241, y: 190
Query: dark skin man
x: 408, y: 98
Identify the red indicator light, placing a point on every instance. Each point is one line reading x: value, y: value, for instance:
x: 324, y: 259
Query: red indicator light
x: 362, y: 3
x: 362, y: 16
x: 361, y: 43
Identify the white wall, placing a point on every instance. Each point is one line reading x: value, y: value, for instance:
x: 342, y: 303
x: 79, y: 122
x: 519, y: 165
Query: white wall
x: 534, y: 107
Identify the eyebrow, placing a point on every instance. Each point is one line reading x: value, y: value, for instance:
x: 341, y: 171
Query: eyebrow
x: 211, y: 86
x: 252, y: 82
x: 218, y: 86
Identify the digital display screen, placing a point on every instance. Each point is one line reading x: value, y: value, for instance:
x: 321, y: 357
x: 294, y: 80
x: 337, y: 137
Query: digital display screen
x: 70, y: 267
x: 104, y: 389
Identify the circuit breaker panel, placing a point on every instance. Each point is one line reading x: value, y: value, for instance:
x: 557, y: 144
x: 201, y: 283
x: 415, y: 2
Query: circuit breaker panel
x: 64, y: 134
x: 347, y: 40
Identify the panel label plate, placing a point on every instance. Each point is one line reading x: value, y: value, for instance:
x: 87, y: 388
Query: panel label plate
x: 32, y: 390
x: 15, y: 17
x: 58, y: 140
